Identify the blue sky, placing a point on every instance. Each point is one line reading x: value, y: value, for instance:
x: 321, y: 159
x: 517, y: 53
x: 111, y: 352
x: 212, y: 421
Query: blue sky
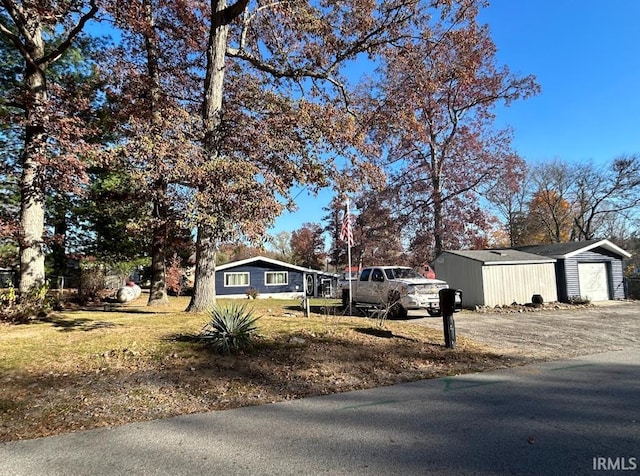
x: 585, y: 55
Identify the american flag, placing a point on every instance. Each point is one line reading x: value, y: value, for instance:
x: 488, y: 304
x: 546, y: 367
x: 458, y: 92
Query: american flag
x: 346, y: 233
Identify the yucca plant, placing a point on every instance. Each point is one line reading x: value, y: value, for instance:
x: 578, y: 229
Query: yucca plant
x: 230, y: 329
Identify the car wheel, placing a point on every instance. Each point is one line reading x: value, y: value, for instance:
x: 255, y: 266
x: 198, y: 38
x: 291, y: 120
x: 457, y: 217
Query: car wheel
x: 434, y: 312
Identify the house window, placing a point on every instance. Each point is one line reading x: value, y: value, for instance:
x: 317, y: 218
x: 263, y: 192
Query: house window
x: 276, y: 278
x: 236, y: 280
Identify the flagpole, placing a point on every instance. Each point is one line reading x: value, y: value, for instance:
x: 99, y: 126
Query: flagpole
x: 349, y: 260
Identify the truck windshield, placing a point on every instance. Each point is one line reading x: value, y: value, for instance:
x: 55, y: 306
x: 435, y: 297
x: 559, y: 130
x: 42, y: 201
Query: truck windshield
x: 401, y: 273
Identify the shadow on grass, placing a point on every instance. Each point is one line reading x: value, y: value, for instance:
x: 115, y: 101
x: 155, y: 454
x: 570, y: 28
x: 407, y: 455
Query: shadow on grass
x: 78, y: 324
x: 111, y: 306
x: 132, y: 310
x: 330, y: 310
x: 186, y: 338
x: 292, y: 307
x: 384, y: 333
x: 124, y: 308
x: 375, y: 332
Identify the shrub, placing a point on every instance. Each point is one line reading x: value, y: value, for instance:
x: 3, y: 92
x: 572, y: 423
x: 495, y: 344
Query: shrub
x: 92, y: 279
x: 173, y: 276
x: 252, y: 293
x: 231, y: 329
x: 23, y: 308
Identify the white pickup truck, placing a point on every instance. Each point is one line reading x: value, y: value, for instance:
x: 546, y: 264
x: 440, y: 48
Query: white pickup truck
x: 398, y: 289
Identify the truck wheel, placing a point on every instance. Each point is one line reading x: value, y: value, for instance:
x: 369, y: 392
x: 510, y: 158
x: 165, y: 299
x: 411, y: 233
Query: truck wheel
x: 396, y: 310
x: 434, y: 312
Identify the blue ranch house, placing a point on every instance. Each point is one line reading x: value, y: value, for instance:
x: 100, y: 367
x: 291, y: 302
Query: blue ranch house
x: 272, y: 278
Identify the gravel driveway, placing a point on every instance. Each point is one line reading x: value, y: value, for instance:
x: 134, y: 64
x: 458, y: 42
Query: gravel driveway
x: 552, y: 334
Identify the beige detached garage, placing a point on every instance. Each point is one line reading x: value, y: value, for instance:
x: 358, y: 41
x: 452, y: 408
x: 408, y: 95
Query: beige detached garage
x: 498, y: 277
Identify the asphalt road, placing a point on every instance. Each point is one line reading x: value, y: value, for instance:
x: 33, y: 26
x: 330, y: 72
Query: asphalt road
x: 566, y: 417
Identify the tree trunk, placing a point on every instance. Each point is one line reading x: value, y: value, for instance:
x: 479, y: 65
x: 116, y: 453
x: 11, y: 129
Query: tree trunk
x: 158, y: 291
x: 31, y: 222
x: 204, y: 293
x: 32, y: 184
x: 58, y: 247
x: 437, y: 222
x: 436, y: 176
x: 204, y: 286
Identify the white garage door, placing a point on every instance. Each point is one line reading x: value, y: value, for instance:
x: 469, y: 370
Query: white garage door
x: 593, y: 281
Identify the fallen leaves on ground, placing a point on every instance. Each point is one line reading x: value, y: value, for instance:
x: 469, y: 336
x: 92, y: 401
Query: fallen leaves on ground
x: 124, y: 385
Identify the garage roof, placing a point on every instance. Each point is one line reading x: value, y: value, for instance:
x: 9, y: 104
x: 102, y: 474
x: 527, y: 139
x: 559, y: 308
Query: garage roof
x: 567, y: 250
x: 505, y: 256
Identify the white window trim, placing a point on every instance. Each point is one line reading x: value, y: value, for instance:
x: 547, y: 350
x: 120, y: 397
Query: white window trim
x: 237, y: 285
x: 286, y: 275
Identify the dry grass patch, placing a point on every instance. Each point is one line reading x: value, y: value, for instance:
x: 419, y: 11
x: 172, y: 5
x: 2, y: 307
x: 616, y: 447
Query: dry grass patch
x: 89, y: 368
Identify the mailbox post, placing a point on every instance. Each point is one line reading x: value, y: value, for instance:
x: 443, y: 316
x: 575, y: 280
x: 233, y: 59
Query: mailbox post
x: 447, y: 306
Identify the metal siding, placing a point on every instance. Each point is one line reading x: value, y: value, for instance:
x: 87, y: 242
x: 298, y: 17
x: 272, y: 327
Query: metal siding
x: 473, y: 287
x: 462, y: 273
x: 617, y: 279
x: 593, y: 256
x: 571, y: 277
x: 506, y: 284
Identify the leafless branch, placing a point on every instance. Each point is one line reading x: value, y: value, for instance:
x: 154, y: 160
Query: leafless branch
x: 71, y: 35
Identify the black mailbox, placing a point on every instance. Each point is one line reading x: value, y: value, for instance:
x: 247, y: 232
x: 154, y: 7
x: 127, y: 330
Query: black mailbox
x: 448, y: 300
x: 448, y: 307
